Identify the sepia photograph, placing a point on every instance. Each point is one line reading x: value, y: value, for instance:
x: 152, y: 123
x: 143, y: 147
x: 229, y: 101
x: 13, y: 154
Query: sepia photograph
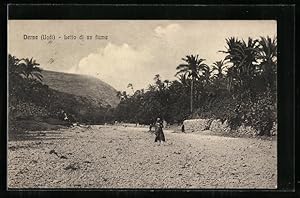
x: 142, y: 104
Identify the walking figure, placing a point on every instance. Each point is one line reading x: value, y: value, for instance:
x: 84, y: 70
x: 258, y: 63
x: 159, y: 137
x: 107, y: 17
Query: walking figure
x: 160, y: 137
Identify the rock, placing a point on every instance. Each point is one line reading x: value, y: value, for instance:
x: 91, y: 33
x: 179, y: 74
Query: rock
x: 12, y: 148
x: 72, y: 167
x: 273, y: 175
x: 247, y: 131
x: 53, y: 152
x: 56, y: 181
x: 195, y: 125
x: 218, y: 126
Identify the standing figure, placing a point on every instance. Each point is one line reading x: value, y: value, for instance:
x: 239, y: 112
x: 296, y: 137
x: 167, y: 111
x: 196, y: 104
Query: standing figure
x: 160, y: 137
x: 182, y: 128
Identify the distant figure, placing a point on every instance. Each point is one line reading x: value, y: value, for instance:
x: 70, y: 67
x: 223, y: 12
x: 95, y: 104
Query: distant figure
x: 160, y: 137
x: 182, y: 128
x: 65, y: 117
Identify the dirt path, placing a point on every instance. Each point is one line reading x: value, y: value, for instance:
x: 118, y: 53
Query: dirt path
x: 124, y: 157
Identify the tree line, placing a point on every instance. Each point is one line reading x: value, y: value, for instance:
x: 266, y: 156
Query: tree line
x: 241, y: 89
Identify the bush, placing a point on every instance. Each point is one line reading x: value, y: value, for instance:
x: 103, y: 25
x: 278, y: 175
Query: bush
x: 262, y: 114
x: 257, y: 111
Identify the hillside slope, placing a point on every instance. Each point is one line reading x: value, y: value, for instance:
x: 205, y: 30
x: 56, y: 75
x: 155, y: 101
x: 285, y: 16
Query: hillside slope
x: 82, y: 85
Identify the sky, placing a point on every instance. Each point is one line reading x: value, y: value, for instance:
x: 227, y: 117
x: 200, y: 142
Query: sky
x: 134, y: 51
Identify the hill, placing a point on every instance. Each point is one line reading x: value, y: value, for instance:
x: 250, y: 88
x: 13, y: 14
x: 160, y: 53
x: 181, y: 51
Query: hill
x: 82, y: 85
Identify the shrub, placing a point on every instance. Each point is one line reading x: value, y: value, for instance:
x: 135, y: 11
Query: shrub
x: 262, y: 114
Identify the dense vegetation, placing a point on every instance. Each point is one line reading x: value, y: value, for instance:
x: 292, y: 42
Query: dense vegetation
x: 240, y: 89
x: 30, y: 98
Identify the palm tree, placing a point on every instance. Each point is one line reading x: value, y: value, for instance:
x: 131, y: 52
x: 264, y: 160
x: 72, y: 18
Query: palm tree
x: 13, y: 61
x: 151, y: 88
x: 156, y: 77
x: 130, y: 86
x: 219, y: 66
x: 268, y: 60
x: 268, y: 50
x: 119, y: 94
x: 205, y: 75
x: 182, y: 79
x: 122, y: 95
x: 167, y: 83
x: 193, y: 66
x: 158, y: 82
x: 230, y: 78
x: 15, y: 74
x: 14, y: 69
x: 31, y: 69
x: 243, y: 56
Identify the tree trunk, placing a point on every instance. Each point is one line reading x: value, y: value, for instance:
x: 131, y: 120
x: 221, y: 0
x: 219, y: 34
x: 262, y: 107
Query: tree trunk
x: 192, y: 84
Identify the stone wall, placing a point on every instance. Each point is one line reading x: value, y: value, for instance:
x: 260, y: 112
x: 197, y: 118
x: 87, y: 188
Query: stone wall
x: 195, y: 125
x: 216, y: 126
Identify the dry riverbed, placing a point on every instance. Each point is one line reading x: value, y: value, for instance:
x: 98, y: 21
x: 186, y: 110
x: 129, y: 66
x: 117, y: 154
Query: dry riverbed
x: 127, y: 157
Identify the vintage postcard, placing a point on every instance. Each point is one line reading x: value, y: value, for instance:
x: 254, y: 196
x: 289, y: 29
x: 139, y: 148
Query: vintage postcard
x: 155, y: 104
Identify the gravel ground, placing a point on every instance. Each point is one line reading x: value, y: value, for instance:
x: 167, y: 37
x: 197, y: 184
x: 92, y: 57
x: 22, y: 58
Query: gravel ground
x: 127, y: 157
